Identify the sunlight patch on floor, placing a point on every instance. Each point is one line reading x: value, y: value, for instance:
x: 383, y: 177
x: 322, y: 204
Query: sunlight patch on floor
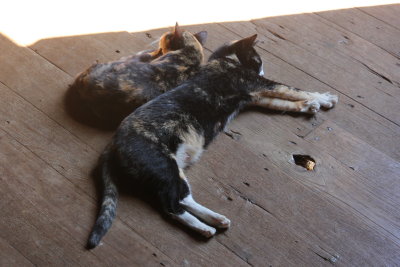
x: 26, y: 22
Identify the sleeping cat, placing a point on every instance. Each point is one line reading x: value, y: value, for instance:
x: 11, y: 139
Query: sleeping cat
x: 153, y: 145
x: 110, y: 91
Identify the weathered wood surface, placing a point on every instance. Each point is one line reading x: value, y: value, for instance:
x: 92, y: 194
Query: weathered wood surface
x: 343, y: 213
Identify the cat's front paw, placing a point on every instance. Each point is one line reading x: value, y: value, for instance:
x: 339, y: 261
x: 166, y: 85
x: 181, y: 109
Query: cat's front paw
x: 310, y: 106
x: 326, y: 100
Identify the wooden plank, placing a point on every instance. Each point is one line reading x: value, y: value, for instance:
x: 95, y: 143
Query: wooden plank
x: 315, y: 217
x: 386, y: 13
x: 361, y: 158
x: 334, y: 178
x: 367, y: 27
x: 37, y: 238
x: 79, y: 52
x: 46, y: 192
x: 47, y: 139
x: 340, y: 47
x: 256, y: 235
x: 347, y: 114
x: 9, y: 256
x: 43, y: 85
x: 370, y: 173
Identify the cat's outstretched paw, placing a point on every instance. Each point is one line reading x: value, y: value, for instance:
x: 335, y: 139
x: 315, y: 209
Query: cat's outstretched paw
x: 310, y: 106
x: 208, y: 231
x: 326, y: 100
x: 222, y: 222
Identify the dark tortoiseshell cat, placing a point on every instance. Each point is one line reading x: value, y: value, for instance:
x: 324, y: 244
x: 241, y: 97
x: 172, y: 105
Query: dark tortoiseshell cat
x: 110, y: 91
x: 153, y: 146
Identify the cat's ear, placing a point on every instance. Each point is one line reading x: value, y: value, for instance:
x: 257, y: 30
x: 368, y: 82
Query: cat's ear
x: 247, y: 42
x: 201, y: 37
x: 238, y: 47
x: 177, y: 31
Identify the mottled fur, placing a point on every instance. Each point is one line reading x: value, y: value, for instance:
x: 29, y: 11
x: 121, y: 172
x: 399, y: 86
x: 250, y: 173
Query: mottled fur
x: 154, y: 144
x: 146, y: 55
x: 110, y: 91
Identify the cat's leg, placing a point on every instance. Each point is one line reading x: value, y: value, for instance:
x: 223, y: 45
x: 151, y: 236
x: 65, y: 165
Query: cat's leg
x: 306, y: 106
x: 326, y: 100
x: 158, y: 172
x: 195, y: 224
x: 205, y: 214
x: 170, y: 194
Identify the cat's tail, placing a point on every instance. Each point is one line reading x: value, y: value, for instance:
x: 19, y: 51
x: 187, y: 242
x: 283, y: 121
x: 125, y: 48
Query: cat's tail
x: 108, y: 206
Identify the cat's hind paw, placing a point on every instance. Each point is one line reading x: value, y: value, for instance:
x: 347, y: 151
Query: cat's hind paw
x: 222, y: 222
x: 208, y: 231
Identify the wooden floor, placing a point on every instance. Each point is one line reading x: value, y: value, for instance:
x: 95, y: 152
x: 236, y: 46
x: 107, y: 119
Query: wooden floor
x: 346, y: 212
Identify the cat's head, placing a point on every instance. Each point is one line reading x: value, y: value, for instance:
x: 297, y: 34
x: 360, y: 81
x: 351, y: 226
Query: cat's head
x: 175, y: 39
x: 243, y: 51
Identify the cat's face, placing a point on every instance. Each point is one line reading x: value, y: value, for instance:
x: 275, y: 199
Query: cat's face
x: 245, y: 53
x: 250, y: 59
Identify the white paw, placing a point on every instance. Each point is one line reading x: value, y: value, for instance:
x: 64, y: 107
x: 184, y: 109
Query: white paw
x: 208, y: 232
x: 223, y: 222
x: 310, y: 106
x: 326, y: 100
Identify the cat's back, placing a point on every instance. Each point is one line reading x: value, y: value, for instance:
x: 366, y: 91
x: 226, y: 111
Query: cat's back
x: 196, y: 102
x: 123, y: 69
x: 199, y: 95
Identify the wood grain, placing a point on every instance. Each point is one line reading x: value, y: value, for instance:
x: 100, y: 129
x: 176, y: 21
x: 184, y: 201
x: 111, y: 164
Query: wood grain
x: 388, y: 14
x: 276, y: 185
x: 345, y: 212
x: 59, y: 221
x: 11, y: 256
x: 368, y: 27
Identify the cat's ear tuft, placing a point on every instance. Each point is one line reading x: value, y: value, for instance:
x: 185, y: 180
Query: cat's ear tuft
x: 250, y: 41
x: 177, y: 31
x: 201, y: 37
x: 244, y: 43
